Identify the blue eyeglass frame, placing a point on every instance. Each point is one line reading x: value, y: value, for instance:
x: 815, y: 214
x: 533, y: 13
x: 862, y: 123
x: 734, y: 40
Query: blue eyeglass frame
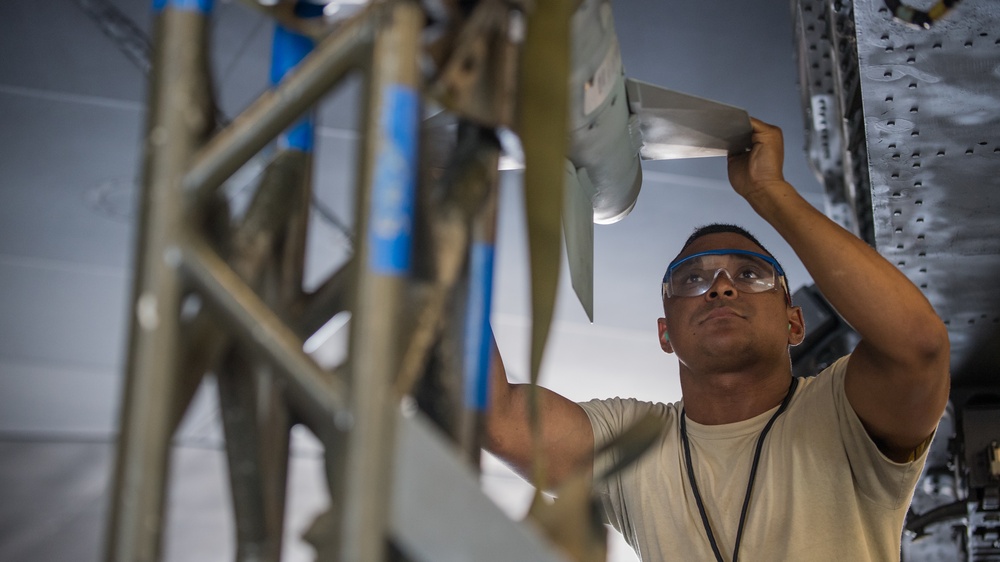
x: 726, y: 251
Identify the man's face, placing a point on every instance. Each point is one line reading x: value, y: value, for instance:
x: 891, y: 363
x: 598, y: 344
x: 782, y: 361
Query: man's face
x: 724, y: 328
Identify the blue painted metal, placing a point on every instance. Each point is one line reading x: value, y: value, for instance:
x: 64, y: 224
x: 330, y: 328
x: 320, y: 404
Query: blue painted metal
x: 390, y: 229
x: 287, y: 50
x: 478, y: 334
x: 203, y: 6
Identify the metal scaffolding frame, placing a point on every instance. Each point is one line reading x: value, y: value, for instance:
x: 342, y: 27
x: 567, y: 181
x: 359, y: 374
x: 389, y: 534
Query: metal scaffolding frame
x: 217, y: 294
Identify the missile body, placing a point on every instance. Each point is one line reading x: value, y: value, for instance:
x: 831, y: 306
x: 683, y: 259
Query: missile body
x: 604, y: 136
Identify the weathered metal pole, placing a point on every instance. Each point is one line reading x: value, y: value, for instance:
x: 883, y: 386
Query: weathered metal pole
x: 256, y: 416
x: 178, y: 121
x: 385, y: 217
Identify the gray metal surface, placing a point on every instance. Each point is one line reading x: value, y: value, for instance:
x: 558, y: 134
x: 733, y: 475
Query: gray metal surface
x: 902, y: 127
x: 932, y: 118
x: 834, y: 122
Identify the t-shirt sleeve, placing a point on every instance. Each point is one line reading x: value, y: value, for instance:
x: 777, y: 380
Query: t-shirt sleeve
x: 609, y: 418
x: 884, y: 481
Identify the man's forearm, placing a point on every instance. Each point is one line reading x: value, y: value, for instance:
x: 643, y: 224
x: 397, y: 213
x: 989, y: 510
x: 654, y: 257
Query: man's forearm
x: 874, y: 297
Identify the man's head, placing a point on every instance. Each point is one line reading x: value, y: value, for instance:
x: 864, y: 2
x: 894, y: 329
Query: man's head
x: 725, y: 294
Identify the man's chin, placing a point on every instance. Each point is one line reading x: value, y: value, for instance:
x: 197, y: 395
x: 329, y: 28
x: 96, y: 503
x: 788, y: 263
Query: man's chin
x: 730, y: 350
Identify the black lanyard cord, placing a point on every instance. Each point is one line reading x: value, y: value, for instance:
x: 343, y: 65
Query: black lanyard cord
x: 753, y: 475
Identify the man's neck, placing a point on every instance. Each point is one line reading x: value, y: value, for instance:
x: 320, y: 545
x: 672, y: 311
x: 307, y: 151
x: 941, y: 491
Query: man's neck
x: 721, y: 398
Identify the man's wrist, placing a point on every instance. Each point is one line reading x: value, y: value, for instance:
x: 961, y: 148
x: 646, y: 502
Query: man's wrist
x: 763, y: 190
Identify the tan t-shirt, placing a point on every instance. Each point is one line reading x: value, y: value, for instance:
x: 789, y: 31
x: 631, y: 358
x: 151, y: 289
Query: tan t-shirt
x: 823, y: 489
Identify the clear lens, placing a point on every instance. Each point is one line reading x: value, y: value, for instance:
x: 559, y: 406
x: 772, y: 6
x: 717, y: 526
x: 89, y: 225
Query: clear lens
x: 695, y: 275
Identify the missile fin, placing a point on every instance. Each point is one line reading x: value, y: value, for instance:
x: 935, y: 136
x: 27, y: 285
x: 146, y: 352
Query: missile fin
x: 578, y: 230
x: 678, y: 125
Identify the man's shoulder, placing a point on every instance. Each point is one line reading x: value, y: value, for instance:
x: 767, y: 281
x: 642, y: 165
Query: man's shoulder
x: 828, y: 375
x: 631, y: 405
x: 820, y: 393
x: 609, y: 416
x: 838, y: 366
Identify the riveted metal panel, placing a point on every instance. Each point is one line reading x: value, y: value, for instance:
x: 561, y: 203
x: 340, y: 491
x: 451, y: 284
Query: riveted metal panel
x: 931, y: 100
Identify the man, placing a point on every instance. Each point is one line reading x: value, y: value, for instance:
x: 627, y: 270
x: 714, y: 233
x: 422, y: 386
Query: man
x: 838, y: 453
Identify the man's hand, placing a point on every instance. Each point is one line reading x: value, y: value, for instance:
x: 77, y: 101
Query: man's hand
x: 762, y: 165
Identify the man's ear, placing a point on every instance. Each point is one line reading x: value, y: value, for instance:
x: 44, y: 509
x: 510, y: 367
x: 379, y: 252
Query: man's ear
x: 796, y: 326
x: 661, y: 328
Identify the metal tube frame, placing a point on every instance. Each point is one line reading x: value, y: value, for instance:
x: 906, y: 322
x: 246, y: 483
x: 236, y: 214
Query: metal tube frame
x: 175, y: 258
x: 178, y: 119
x: 242, y: 275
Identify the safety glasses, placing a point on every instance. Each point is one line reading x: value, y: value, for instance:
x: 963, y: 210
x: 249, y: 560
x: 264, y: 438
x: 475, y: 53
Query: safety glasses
x: 748, y: 272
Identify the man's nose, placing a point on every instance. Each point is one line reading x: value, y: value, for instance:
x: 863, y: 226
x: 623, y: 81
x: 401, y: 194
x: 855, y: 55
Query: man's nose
x: 722, y: 286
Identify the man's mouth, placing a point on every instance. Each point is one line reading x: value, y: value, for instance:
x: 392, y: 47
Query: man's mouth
x: 720, y: 313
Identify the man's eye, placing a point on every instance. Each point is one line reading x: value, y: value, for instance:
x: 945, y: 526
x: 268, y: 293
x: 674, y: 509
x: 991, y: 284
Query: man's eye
x: 750, y: 274
x: 692, y: 278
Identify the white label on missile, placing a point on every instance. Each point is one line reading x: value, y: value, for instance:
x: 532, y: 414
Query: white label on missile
x: 822, y: 107
x: 597, y: 89
x: 825, y: 138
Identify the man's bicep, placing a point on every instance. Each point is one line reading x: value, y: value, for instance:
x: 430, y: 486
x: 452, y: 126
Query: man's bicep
x: 899, y: 405
x: 565, y: 436
x: 568, y: 436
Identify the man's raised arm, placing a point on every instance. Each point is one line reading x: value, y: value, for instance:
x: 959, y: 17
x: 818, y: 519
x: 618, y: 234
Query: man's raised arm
x: 897, y: 378
x: 567, y: 437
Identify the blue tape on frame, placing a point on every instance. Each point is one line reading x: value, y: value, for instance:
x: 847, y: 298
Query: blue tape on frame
x: 287, y: 50
x: 203, y: 6
x: 300, y: 136
x: 476, y: 364
x: 390, y: 229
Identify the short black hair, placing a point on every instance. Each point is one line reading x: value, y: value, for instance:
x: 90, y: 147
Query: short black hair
x: 716, y: 228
